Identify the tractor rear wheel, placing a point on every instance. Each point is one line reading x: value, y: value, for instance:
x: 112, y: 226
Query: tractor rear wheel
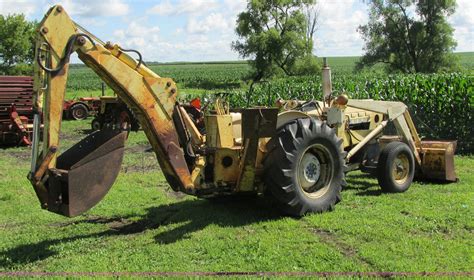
x: 396, y: 167
x: 304, y: 169
x: 79, y: 111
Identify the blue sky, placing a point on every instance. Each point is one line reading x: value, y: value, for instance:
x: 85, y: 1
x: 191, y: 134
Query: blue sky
x: 202, y: 30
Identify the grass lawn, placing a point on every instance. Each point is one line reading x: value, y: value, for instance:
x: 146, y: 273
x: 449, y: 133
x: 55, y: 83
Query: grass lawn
x: 142, y: 225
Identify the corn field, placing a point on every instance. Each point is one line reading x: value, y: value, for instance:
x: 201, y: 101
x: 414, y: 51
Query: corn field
x: 442, y: 104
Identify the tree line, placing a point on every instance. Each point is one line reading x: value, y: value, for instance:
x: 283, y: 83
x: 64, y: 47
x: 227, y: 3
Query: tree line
x: 276, y: 37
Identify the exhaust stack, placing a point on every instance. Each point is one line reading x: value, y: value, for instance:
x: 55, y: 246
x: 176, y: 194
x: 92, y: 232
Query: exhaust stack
x: 327, y: 84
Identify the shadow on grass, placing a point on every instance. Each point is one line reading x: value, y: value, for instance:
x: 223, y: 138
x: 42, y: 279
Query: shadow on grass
x: 189, y: 216
x: 362, y: 187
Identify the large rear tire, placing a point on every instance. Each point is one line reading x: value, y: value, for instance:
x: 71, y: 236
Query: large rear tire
x: 304, y: 169
x: 79, y: 111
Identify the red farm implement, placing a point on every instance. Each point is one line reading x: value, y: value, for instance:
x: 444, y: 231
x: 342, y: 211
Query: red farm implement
x: 16, y: 110
x: 79, y: 109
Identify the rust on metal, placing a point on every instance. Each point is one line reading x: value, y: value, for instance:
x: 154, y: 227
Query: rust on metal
x: 438, y: 160
x: 45, y: 163
x: 16, y: 109
x: 151, y: 99
x: 256, y: 123
x: 85, y: 173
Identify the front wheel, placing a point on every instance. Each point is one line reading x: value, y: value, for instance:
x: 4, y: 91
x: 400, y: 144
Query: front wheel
x: 96, y: 124
x: 396, y: 167
x: 304, y: 169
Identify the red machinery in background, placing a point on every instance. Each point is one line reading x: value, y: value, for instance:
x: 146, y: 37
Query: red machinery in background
x: 16, y: 110
x: 80, y: 109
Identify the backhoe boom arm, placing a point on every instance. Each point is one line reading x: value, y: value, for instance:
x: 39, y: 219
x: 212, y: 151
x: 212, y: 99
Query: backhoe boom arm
x: 151, y: 97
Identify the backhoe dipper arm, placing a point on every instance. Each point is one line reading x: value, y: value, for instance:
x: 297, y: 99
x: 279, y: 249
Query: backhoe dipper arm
x: 152, y: 98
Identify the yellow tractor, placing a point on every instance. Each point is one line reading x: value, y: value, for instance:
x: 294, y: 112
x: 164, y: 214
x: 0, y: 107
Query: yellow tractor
x: 298, y: 152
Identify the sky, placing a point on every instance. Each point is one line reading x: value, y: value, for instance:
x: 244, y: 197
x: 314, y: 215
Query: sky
x: 203, y: 30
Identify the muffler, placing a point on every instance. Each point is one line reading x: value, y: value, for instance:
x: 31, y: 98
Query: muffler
x: 85, y: 173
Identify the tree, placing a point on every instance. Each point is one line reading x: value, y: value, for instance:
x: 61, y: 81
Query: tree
x: 273, y: 34
x: 311, y: 12
x: 16, y: 44
x: 409, y: 35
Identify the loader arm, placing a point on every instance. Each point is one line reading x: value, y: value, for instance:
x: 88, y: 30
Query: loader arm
x: 151, y: 97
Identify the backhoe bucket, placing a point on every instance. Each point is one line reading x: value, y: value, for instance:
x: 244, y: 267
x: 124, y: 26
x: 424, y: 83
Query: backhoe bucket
x: 85, y: 173
x: 438, y: 160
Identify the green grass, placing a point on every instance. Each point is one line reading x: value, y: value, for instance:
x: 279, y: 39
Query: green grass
x: 142, y: 225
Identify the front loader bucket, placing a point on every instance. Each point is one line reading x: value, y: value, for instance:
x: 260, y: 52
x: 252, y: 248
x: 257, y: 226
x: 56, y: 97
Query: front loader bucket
x: 85, y: 173
x: 438, y: 160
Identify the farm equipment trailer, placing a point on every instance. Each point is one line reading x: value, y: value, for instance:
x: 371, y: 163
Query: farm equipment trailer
x: 16, y: 110
x: 298, y: 153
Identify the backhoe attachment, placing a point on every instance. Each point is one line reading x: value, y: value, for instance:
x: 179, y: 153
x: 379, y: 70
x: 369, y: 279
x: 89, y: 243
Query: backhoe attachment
x: 85, y: 173
x: 73, y: 182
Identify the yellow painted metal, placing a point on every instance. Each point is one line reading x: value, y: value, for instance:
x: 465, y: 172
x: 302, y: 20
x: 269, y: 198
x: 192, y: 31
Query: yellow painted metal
x: 404, y: 131
x: 400, y: 169
x: 151, y: 97
x: 223, y: 175
x: 246, y: 182
x: 54, y: 33
x: 56, y: 28
x: 196, y: 137
x: 412, y: 128
x: 438, y: 160
x: 219, y: 131
x: 287, y: 116
x: 197, y: 176
x: 130, y: 61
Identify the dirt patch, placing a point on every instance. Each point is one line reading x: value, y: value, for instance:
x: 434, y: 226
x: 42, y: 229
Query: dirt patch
x: 11, y: 225
x: 176, y: 195
x: 138, y: 149
x: 140, y: 168
x: 74, y: 135
x: 124, y: 226
x: 141, y: 161
x: 332, y: 240
x: 23, y: 155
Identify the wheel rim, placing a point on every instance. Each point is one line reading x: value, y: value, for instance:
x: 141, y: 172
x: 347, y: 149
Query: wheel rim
x: 79, y: 113
x: 315, y: 171
x: 95, y: 125
x: 400, y: 169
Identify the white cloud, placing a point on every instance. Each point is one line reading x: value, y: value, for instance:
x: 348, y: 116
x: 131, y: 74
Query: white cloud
x: 235, y: 6
x: 165, y: 8
x: 26, y: 7
x: 195, y: 48
x: 212, y: 22
x: 193, y: 7
x: 463, y: 22
x: 337, y: 33
x: 139, y: 37
x: 95, y: 8
x: 206, y: 34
